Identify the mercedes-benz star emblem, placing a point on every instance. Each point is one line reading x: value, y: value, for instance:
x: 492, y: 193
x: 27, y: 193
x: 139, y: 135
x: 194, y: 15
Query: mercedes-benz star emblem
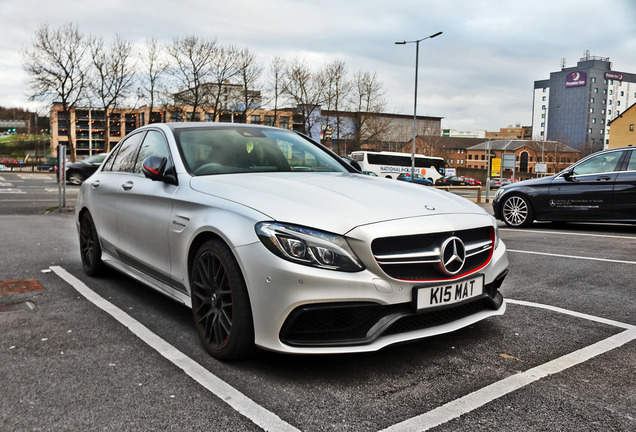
x: 452, y: 256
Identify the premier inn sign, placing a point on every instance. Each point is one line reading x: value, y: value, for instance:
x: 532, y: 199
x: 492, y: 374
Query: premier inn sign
x: 576, y: 79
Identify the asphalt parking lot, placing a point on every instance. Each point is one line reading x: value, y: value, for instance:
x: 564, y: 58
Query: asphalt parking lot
x: 107, y: 353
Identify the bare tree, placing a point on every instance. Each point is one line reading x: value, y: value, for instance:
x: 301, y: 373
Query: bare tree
x: 223, y: 67
x: 193, y: 57
x: 276, y: 86
x: 367, y: 101
x: 154, y: 68
x: 306, y: 90
x: 56, y: 66
x: 337, y: 92
x: 113, y: 69
x: 249, y: 73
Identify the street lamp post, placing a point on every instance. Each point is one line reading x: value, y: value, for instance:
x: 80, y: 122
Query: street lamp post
x: 417, y: 54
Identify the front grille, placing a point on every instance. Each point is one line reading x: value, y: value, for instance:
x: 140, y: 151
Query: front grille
x: 417, y: 257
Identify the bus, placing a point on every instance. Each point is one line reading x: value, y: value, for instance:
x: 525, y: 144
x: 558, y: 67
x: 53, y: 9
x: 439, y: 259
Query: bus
x: 392, y: 164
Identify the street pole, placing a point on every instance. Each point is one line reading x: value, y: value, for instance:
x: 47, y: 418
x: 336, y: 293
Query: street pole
x: 417, y: 54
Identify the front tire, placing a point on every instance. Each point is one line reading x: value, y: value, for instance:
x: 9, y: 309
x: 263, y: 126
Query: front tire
x: 220, y: 303
x: 90, y: 250
x: 517, y: 212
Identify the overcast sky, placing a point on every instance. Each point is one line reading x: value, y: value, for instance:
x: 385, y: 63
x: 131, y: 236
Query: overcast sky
x: 479, y: 74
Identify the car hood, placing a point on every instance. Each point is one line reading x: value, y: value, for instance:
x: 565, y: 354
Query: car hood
x: 335, y: 202
x: 531, y: 182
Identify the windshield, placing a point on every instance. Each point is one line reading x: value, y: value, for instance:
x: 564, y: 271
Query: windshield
x: 240, y: 149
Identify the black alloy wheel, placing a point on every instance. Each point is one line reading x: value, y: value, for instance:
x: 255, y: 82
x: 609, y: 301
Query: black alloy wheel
x: 517, y: 212
x: 220, y: 303
x: 90, y: 250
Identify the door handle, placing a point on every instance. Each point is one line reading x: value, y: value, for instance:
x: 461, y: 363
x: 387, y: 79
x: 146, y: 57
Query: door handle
x: 95, y: 184
x: 127, y: 186
x: 603, y: 178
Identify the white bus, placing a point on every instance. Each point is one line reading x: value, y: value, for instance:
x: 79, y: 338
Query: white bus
x: 392, y: 164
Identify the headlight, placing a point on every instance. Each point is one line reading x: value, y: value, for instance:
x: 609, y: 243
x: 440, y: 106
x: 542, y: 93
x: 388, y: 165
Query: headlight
x: 496, y: 225
x: 499, y: 192
x: 307, y: 246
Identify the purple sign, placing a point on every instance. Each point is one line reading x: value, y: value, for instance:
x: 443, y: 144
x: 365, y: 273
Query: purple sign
x: 576, y: 79
x: 614, y: 75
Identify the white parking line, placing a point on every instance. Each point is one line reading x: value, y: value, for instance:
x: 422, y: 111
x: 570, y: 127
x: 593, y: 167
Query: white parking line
x: 481, y: 397
x: 228, y: 394
x: 573, y: 257
x: 569, y: 233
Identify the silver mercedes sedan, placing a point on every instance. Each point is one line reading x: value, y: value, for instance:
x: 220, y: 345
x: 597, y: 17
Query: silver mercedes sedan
x: 275, y: 242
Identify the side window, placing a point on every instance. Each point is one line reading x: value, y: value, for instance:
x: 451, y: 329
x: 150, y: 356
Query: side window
x: 108, y: 164
x: 127, y: 154
x: 154, y: 144
x: 602, y: 163
x: 631, y: 166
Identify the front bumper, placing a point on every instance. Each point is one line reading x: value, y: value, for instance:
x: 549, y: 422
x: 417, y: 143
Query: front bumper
x: 302, y: 309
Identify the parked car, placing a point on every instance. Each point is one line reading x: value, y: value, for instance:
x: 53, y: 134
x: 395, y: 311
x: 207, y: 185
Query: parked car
x: 472, y: 181
x: 247, y: 226
x: 599, y: 188
x: 77, y: 172
x: 451, y: 181
x: 417, y: 178
x: 496, y: 183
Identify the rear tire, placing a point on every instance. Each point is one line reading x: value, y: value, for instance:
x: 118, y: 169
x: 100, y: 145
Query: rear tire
x: 220, y: 303
x: 90, y: 250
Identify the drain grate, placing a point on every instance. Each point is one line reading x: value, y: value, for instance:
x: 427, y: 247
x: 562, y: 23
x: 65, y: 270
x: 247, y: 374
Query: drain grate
x: 20, y: 286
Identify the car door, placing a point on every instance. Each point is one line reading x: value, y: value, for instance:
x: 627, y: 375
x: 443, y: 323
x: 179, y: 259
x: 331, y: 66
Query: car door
x: 585, y: 191
x: 104, y: 191
x: 144, y: 210
x: 625, y: 189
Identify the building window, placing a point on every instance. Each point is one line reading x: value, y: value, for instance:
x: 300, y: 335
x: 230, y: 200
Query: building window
x: 470, y: 157
x: 544, y: 89
x: 543, y: 98
x: 593, y: 121
x: 611, y: 92
x: 270, y: 120
x: 593, y: 79
x: 618, y: 103
x: 609, y: 102
x: 603, y: 111
x: 589, y: 130
x: 609, y: 112
x: 595, y: 89
x: 591, y: 100
x: 255, y: 119
x: 631, y: 127
x: 543, y: 124
x: 284, y: 122
x: 543, y: 107
x: 543, y: 116
x: 622, y: 93
x: 591, y: 110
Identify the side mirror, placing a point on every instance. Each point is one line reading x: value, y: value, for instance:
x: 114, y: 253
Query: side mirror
x: 352, y: 163
x: 567, y: 174
x: 154, y: 167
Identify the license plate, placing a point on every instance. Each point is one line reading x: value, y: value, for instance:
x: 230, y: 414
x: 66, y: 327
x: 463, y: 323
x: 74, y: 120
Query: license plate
x: 449, y: 293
